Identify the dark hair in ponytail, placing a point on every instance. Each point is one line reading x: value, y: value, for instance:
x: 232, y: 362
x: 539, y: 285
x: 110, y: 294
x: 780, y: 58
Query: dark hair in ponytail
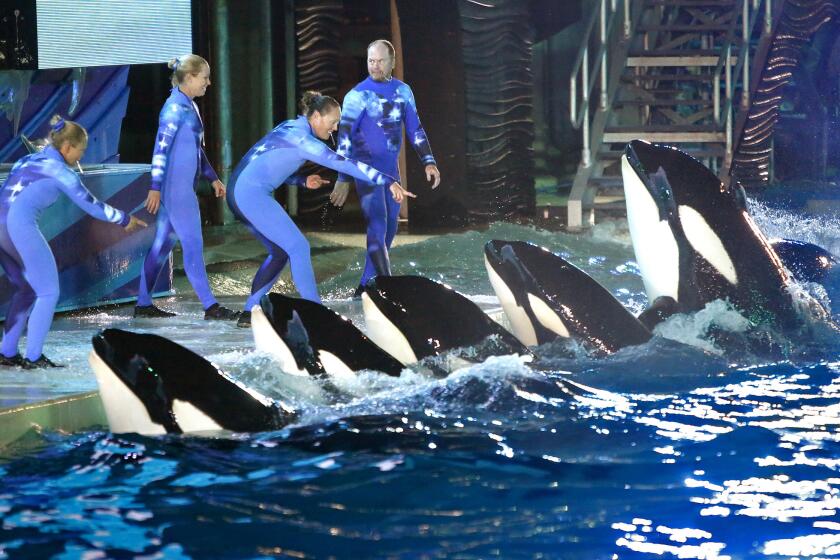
x: 312, y: 101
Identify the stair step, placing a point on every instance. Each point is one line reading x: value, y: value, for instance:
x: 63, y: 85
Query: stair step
x: 671, y: 102
x: 693, y: 3
x: 675, y: 52
x: 684, y: 28
x: 664, y: 133
x: 668, y: 60
x: 661, y: 77
x: 607, y: 182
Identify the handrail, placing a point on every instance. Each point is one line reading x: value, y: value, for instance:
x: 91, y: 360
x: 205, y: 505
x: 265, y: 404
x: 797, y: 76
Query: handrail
x: 750, y: 12
x: 607, y: 15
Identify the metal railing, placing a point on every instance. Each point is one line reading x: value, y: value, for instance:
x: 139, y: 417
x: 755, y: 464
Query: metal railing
x: 752, y: 12
x: 591, y: 70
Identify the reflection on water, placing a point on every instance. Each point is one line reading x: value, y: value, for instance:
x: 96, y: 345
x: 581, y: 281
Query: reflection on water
x: 695, y: 445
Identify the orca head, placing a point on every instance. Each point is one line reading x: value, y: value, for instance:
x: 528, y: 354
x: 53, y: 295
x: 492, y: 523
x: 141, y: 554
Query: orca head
x: 309, y: 338
x: 806, y: 261
x: 651, y: 220
x: 412, y: 318
x: 151, y: 385
x: 279, y: 331
x: 694, y: 240
x: 511, y: 267
x: 546, y: 297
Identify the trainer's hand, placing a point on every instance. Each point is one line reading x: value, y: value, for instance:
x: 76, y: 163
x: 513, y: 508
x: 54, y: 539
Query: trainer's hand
x: 134, y: 224
x: 433, y: 172
x: 153, y: 202
x: 219, y: 188
x: 400, y: 193
x: 339, y: 194
x: 315, y: 182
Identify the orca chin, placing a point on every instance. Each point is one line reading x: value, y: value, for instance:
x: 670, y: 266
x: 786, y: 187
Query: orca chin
x: 695, y: 242
x: 546, y: 298
x: 309, y: 338
x: 151, y: 385
x: 413, y: 318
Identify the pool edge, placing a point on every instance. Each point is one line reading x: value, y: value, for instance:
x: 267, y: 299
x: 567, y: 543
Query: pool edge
x: 68, y: 413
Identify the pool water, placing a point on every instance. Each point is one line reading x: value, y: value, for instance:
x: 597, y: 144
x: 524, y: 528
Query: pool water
x: 699, y: 444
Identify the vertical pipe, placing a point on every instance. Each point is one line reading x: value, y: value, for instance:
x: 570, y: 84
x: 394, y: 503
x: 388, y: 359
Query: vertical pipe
x: 604, y: 55
x: 586, y: 155
x: 266, y: 67
x: 291, y: 85
x: 716, y: 97
x: 745, y: 52
x: 768, y: 16
x: 729, y: 104
x: 224, y: 118
x: 399, y: 73
x: 626, y: 19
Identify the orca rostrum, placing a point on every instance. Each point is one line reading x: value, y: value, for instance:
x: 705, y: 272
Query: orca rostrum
x: 545, y: 298
x: 412, y: 318
x: 310, y: 339
x: 150, y: 385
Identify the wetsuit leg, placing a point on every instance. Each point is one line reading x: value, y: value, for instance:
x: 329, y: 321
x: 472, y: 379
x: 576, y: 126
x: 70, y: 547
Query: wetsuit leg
x: 21, y: 300
x: 41, y: 273
x: 156, y: 258
x: 185, y: 217
x: 375, y: 208
x: 268, y: 272
x: 270, y: 221
x: 392, y: 219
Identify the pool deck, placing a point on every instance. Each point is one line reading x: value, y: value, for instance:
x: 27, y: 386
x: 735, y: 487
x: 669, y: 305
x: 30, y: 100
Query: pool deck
x: 62, y: 399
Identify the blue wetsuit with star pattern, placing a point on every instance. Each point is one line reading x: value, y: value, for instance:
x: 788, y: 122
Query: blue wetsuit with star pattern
x: 250, y: 195
x: 34, y: 184
x: 177, y: 160
x: 371, y: 131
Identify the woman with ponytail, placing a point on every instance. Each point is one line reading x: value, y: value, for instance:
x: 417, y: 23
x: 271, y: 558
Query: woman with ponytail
x: 34, y: 184
x: 178, y: 159
x: 271, y: 162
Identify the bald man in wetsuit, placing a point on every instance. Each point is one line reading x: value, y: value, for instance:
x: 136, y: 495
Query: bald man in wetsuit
x: 371, y: 131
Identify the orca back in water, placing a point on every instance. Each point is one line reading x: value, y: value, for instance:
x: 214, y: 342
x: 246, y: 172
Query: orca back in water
x: 546, y: 297
x: 694, y: 240
x: 310, y: 338
x: 151, y: 385
x: 412, y: 318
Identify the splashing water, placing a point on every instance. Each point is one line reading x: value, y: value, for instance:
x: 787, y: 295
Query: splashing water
x: 686, y: 447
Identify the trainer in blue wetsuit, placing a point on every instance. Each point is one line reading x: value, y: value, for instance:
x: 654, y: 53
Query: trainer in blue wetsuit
x: 371, y: 131
x: 177, y: 161
x: 33, y: 185
x: 271, y: 162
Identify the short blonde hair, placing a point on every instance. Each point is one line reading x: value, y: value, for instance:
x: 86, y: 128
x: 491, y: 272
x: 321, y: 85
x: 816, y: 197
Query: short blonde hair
x: 66, y: 132
x: 185, y: 64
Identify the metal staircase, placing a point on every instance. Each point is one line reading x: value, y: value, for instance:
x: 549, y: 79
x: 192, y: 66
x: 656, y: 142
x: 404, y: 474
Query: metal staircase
x: 666, y: 71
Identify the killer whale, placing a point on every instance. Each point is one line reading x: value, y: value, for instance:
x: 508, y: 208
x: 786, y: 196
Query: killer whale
x: 412, y: 318
x: 151, y: 385
x: 695, y: 242
x: 310, y: 339
x: 545, y: 297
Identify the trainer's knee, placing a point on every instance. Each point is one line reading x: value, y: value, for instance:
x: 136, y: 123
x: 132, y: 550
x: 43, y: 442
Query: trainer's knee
x: 297, y: 245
